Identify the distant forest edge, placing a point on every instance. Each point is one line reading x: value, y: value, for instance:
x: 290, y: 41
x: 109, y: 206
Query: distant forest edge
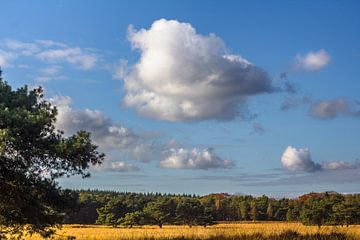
x: 130, y: 209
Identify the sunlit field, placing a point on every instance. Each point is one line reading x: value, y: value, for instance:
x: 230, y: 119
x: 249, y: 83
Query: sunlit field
x: 219, y: 231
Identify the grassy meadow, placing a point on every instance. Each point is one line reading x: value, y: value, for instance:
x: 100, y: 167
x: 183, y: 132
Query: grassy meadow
x: 226, y: 231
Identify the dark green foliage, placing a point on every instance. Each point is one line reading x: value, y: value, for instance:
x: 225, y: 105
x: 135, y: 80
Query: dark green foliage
x: 346, y: 212
x: 33, y: 154
x: 190, y: 212
x: 137, y: 218
x: 154, y: 208
x: 112, y: 212
x: 254, y: 213
x: 244, y: 210
x: 314, y: 213
x: 161, y: 211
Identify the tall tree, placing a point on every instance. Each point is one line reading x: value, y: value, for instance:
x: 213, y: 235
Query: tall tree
x: 191, y: 212
x: 253, y: 211
x: 133, y: 218
x: 244, y: 210
x: 112, y: 212
x: 270, y: 211
x: 33, y: 154
x: 314, y: 212
x: 161, y: 211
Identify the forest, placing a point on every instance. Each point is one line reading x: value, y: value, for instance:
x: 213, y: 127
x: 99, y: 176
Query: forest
x: 129, y: 209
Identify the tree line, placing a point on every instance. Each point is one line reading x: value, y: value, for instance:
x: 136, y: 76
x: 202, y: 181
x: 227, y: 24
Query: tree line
x: 129, y: 209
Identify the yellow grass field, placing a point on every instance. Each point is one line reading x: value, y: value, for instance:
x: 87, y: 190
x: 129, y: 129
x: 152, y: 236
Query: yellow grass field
x: 82, y: 232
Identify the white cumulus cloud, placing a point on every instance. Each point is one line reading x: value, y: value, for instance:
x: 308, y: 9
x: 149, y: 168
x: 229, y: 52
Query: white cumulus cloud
x: 194, y: 159
x: 298, y: 159
x: 312, y: 61
x: 185, y: 76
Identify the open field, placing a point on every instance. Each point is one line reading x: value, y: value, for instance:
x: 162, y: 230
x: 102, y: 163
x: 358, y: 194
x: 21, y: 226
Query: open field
x: 219, y: 231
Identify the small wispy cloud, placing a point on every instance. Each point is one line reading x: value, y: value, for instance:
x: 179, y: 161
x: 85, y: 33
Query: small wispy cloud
x: 49, y: 52
x: 334, y: 108
x: 75, y: 56
x: 6, y: 58
x: 119, y: 166
x: 50, y: 43
x: 312, y: 61
x: 50, y: 73
x: 291, y: 102
x: 257, y: 128
x: 22, y: 48
x: 120, y: 69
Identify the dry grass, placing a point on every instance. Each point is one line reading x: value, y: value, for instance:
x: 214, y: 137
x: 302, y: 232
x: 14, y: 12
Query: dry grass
x: 228, y: 230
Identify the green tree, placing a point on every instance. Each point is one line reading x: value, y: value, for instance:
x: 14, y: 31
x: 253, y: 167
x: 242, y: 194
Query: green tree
x: 112, y: 212
x: 314, y: 212
x: 253, y: 211
x: 190, y: 212
x: 133, y: 218
x: 161, y: 211
x: 270, y: 211
x: 33, y: 154
x: 207, y: 217
x: 244, y: 210
x: 346, y: 213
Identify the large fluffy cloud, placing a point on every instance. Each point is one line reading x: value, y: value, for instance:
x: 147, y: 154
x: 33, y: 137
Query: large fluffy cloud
x: 184, y: 76
x: 312, y: 61
x: 299, y: 159
x: 194, y: 159
x: 334, y: 108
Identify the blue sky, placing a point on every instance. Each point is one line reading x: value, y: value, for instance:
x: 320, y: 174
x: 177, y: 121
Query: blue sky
x: 253, y: 97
